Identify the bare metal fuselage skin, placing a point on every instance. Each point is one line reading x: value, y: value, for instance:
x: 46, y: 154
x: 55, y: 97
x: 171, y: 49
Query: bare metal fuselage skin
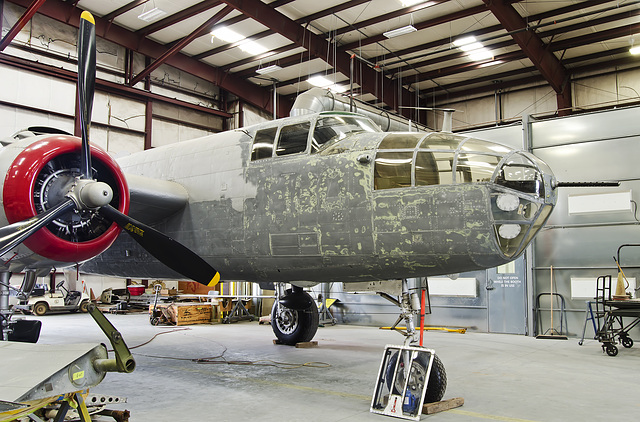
x: 316, y: 216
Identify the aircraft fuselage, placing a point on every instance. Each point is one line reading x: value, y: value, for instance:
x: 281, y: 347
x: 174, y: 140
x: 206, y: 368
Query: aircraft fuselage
x: 338, y: 211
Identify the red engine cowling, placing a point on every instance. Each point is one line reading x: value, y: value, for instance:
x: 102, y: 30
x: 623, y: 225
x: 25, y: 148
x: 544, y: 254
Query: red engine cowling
x: 39, y: 177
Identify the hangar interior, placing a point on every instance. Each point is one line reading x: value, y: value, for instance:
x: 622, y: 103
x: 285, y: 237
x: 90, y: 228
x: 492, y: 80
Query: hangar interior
x: 558, y: 79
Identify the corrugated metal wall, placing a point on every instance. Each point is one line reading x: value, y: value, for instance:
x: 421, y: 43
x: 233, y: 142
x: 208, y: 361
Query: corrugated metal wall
x: 590, y: 147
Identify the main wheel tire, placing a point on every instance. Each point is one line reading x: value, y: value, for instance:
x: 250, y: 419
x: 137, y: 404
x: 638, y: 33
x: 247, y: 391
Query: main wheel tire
x: 437, y: 378
x: 291, y: 326
x: 84, y: 306
x: 40, y: 308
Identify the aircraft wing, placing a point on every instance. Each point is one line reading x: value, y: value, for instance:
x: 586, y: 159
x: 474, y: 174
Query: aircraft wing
x: 153, y: 200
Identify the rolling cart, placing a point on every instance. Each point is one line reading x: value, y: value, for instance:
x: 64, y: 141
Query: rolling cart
x: 613, y: 329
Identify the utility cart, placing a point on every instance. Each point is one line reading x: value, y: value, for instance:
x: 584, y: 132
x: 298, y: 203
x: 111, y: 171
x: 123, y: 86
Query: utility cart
x: 619, y: 315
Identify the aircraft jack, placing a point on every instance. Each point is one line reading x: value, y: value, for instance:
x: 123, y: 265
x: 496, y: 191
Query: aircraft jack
x: 400, y: 392
x: 406, y: 371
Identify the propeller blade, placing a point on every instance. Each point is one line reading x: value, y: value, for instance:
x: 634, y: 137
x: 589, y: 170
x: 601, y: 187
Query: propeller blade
x: 86, y: 85
x: 166, y: 250
x: 16, y: 233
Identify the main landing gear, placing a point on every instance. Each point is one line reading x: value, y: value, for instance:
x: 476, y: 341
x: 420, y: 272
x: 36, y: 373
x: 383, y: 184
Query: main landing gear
x: 294, y: 316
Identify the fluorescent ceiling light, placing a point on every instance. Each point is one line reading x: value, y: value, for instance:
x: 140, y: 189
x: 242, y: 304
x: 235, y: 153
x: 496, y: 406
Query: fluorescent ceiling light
x: 227, y: 35
x: 253, y: 48
x: 493, y: 63
x: 268, y: 69
x: 634, y: 50
x: 151, y: 15
x: 400, y: 31
x: 464, y: 41
x: 337, y: 88
x: 320, y: 81
x: 481, y: 54
x: 407, y: 3
x: 323, y: 82
x: 471, y: 46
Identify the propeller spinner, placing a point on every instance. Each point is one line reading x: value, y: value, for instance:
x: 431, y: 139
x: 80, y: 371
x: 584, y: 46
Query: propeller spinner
x: 76, y: 201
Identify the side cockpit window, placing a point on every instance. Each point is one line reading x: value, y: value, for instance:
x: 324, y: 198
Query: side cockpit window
x: 293, y: 138
x: 263, y: 143
x: 434, y: 159
x: 335, y: 128
x: 418, y: 159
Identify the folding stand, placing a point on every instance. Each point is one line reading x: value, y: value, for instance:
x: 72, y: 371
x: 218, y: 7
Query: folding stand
x: 400, y: 392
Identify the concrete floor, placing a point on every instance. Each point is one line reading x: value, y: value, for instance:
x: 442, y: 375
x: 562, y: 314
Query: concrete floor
x: 500, y: 377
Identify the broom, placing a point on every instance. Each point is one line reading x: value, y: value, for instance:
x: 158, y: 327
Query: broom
x: 552, y: 332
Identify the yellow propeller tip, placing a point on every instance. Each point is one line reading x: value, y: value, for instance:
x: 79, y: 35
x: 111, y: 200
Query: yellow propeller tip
x: 88, y: 17
x: 214, y: 280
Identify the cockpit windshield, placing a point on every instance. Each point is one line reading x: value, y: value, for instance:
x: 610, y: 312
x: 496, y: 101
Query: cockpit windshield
x: 334, y: 128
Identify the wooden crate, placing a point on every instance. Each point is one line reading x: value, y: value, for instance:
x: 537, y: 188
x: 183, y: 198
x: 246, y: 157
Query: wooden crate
x: 187, y: 313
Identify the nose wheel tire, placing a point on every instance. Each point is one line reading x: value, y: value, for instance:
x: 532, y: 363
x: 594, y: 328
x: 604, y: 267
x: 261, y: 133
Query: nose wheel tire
x: 294, y: 326
x: 437, y: 378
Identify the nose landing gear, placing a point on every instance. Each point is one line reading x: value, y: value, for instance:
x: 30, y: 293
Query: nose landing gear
x: 410, y: 375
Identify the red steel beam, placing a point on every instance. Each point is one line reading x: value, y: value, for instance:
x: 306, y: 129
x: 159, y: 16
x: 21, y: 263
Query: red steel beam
x: 255, y: 37
x: 205, y: 27
x: 318, y: 47
x: 536, y: 50
x: 177, y: 17
x: 258, y: 96
x: 124, y: 9
x: 26, y: 17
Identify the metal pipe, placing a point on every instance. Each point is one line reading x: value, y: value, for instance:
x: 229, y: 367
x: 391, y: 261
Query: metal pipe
x: 573, y: 226
x: 317, y: 100
x: 275, y: 101
x: 5, y: 313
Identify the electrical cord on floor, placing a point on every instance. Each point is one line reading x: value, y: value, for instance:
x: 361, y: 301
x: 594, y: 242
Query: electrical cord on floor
x: 153, y: 338
x: 221, y: 360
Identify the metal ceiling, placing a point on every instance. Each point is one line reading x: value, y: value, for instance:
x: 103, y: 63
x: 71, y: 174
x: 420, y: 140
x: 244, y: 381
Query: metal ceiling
x: 530, y: 43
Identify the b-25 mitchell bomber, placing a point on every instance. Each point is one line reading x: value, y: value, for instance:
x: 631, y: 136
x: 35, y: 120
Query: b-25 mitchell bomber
x: 318, y: 197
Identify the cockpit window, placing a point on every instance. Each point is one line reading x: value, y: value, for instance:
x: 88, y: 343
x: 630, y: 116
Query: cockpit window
x: 477, y: 145
x: 434, y: 168
x: 401, y: 141
x: 334, y: 128
x: 473, y: 168
x: 393, y: 170
x: 520, y: 173
x: 293, y: 138
x: 440, y: 141
x: 263, y: 143
x: 436, y: 159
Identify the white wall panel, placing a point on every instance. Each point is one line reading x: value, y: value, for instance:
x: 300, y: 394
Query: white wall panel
x: 165, y: 133
x: 12, y: 120
x: 511, y: 135
x: 536, y: 100
x: 34, y: 90
x: 118, y: 143
x: 611, y: 124
x: 254, y: 116
x: 118, y: 111
x: 600, y: 160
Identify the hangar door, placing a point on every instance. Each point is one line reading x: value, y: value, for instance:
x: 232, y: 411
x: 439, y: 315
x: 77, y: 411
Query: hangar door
x: 507, y: 298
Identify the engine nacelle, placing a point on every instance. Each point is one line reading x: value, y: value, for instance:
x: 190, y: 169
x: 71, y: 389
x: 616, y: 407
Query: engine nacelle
x: 39, y: 172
